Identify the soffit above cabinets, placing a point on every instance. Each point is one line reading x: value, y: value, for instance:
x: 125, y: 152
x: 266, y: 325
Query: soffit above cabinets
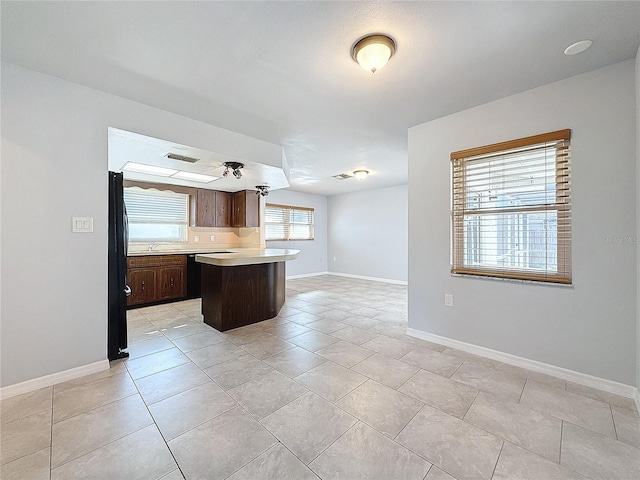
x: 132, y: 147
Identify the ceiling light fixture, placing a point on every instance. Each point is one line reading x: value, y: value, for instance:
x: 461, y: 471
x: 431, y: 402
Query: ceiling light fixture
x: 373, y: 51
x: 194, y: 177
x: 149, y: 169
x: 361, y: 174
x: 262, y: 190
x: 235, y: 167
x: 577, y: 47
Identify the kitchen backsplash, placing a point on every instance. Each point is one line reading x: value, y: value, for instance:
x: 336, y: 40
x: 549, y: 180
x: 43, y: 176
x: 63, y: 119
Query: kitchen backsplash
x: 224, y: 238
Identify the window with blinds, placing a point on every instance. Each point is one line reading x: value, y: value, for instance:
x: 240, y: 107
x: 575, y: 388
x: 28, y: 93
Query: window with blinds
x: 511, y: 209
x: 156, y: 216
x: 285, y: 222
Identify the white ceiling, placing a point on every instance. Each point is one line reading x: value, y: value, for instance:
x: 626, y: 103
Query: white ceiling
x: 282, y: 71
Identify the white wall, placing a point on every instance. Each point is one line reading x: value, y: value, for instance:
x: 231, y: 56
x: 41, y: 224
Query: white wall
x: 313, y: 253
x: 368, y: 233
x: 589, y: 327
x: 54, y: 152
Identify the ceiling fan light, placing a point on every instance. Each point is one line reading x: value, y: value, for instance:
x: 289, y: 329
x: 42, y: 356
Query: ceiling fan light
x: 373, y: 51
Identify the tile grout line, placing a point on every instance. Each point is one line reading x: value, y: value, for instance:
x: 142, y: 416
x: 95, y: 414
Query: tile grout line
x: 561, y: 440
x: 613, y: 422
x: 497, y: 460
x: 407, y: 381
x: 328, y: 446
x: 158, y: 428
x: 51, y: 434
x: 526, y: 380
x: 407, y: 424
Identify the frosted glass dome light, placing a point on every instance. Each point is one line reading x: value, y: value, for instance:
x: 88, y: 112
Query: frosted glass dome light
x: 373, y: 51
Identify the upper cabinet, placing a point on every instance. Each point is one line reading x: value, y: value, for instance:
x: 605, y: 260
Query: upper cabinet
x: 206, y: 208
x: 213, y: 208
x: 223, y: 209
x: 246, y: 209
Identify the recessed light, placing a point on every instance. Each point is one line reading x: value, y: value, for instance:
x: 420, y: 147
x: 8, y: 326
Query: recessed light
x: 194, y: 177
x: 150, y: 169
x: 577, y: 47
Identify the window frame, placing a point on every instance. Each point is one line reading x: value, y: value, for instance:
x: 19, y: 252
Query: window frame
x: 288, y: 209
x: 560, y: 140
x: 182, y: 225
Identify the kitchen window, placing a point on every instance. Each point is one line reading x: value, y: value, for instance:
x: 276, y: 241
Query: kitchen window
x: 511, y: 209
x: 285, y: 222
x: 156, y: 216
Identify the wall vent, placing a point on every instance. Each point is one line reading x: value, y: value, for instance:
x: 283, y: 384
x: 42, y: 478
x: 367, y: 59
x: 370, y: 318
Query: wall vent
x: 342, y: 176
x: 182, y: 158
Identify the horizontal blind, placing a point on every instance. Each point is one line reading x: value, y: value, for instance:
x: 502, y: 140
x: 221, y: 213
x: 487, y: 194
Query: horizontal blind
x: 511, y: 209
x: 276, y: 222
x: 285, y: 222
x: 152, y: 206
x: 301, y: 223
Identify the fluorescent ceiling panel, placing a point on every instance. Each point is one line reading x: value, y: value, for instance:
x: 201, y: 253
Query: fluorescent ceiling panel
x: 194, y: 177
x: 150, y: 169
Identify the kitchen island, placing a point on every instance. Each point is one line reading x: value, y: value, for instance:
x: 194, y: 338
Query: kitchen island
x: 243, y: 286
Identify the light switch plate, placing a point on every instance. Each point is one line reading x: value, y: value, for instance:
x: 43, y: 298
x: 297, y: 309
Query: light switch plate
x: 82, y: 224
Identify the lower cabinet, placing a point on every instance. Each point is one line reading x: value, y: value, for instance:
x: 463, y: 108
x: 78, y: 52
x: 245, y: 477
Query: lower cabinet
x: 155, y: 278
x: 142, y: 282
x: 171, y: 283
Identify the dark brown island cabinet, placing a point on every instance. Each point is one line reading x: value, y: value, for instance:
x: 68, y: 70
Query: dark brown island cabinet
x: 243, y: 287
x: 156, y: 278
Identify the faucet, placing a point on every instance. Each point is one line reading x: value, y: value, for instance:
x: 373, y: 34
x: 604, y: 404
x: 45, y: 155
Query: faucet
x: 153, y: 245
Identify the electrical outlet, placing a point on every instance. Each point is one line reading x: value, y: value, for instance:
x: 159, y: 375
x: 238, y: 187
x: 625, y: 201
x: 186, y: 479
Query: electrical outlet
x: 213, y: 238
x: 196, y: 238
x: 448, y: 300
x: 334, y: 259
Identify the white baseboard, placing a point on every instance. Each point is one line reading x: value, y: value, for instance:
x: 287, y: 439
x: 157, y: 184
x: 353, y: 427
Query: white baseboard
x: 305, y: 275
x: 610, y: 386
x: 52, y: 379
x: 374, y: 279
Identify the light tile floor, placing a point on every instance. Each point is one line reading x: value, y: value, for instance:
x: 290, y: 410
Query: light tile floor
x: 332, y: 388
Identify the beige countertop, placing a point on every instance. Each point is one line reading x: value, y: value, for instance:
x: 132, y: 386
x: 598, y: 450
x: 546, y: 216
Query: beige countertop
x: 248, y: 256
x: 184, y: 251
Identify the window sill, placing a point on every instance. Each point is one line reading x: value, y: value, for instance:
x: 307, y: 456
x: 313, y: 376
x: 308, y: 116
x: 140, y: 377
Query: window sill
x: 513, y: 280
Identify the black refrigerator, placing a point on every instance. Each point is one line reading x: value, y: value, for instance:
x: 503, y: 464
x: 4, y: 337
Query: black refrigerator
x: 117, y: 270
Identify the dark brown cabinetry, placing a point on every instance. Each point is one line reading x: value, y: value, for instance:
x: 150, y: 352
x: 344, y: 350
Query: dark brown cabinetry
x: 143, y: 285
x: 171, y: 283
x: 224, y: 209
x: 213, y: 208
x: 155, y: 278
x: 206, y: 208
x: 246, y: 209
